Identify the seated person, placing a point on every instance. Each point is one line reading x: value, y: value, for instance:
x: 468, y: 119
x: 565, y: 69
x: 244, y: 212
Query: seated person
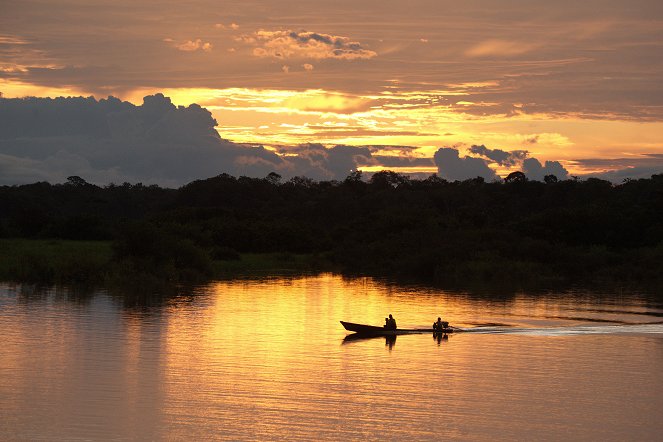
x: 440, y: 324
x: 390, y: 323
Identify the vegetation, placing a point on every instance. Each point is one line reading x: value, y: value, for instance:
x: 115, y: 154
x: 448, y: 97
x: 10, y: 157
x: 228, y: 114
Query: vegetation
x: 516, y: 232
x: 59, y: 261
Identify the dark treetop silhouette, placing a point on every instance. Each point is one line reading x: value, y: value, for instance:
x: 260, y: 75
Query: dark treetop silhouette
x: 464, y: 232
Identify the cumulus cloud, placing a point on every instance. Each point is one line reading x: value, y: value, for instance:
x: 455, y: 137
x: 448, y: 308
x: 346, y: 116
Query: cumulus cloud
x: 535, y: 171
x: 155, y: 143
x: 190, y: 45
x: 303, y: 44
x: 454, y: 168
x: 619, y: 169
x: 531, y: 167
x: 620, y: 175
x: 316, y: 161
x: 501, y: 157
x: 109, y: 140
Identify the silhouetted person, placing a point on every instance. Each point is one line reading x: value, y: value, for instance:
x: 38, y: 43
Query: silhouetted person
x: 440, y: 325
x: 390, y: 323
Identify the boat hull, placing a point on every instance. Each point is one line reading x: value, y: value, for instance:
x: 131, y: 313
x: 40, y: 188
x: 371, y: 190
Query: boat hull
x: 372, y: 330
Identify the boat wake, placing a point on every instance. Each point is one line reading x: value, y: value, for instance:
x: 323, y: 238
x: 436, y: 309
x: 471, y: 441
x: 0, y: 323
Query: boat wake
x: 616, y: 329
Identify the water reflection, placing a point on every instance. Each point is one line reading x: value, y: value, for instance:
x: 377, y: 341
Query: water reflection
x: 439, y: 337
x: 260, y: 359
x: 389, y: 341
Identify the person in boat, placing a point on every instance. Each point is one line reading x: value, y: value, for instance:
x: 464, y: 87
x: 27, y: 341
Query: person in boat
x: 390, y: 323
x: 440, y: 325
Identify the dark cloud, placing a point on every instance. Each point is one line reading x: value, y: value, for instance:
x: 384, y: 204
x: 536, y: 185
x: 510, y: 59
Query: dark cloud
x: 641, y: 166
x: 393, y: 161
x: 618, y: 176
x: 644, y: 160
x: 454, y: 168
x: 499, y: 156
x: 318, y: 162
x: 157, y: 142
x: 110, y: 140
x: 535, y: 171
x: 287, y: 44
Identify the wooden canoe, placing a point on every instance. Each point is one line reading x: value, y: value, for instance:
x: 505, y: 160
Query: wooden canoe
x: 372, y: 330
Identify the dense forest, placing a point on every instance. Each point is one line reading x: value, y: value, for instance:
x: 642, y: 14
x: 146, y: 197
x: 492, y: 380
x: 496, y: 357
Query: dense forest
x: 462, y: 233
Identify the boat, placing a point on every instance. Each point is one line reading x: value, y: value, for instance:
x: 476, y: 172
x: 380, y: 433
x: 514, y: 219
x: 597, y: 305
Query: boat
x: 374, y: 330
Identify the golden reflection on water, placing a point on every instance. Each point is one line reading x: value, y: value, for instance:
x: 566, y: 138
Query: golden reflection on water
x: 267, y: 359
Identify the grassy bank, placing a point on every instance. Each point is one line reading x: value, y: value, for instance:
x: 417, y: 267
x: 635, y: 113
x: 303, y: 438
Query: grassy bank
x: 92, y: 262
x: 97, y: 264
x: 54, y: 261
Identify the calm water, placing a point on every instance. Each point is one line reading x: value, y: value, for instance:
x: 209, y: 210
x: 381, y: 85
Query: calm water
x: 266, y: 359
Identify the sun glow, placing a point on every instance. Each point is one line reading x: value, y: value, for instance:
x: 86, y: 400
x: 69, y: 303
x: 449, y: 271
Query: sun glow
x: 13, y: 88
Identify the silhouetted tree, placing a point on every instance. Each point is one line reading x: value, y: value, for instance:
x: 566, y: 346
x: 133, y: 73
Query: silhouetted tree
x: 273, y: 178
x: 388, y: 178
x: 354, y: 177
x: 76, y: 181
x: 515, y: 177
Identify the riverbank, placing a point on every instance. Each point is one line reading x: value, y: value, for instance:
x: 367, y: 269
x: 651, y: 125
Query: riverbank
x: 69, y: 262
x: 64, y: 262
x: 97, y: 264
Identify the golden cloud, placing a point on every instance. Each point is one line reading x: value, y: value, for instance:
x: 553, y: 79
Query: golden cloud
x: 292, y: 44
x: 499, y: 48
x: 190, y: 45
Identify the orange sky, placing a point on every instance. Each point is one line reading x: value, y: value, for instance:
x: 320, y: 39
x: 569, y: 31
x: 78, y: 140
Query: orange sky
x: 577, y: 82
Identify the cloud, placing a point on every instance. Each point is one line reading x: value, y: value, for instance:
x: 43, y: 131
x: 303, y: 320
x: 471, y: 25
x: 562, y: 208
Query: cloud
x: 155, y: 143
x: 535, y: 171
x: 233, y: 26
x: 303, y: 44
x: 518, y: 158
x: 454, y: 168
x: 12, y: 40
x: 190, y: 45
x: 618, y: 176
x: 316, y: 161
x: 644, y: 160
x: 392, y: 161
x: 499, y: 48
x: 501, y: 157
x: 640, y: 166
x: 110, y: 140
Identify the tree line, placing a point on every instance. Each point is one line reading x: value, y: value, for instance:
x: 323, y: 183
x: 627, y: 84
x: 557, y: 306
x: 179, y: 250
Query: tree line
x: 459, y: 233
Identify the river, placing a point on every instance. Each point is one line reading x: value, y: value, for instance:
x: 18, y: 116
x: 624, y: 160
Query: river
x: 267, y: 358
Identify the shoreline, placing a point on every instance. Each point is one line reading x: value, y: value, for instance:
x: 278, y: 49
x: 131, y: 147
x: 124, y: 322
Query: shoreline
x: 92, y: 264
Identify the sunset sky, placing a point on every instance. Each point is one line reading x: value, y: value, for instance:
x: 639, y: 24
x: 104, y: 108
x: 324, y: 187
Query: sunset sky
x: 578, y: 82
